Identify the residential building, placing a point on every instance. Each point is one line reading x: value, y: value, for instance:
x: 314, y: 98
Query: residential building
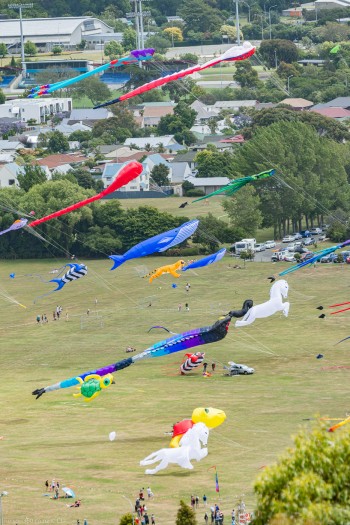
x: 208, y: 184
x: 167, y: 141
x: 53, y: 162
x: 87, y: 117
x: 9, y: 146
x: 48, y: 32
x: 235, y: 105
x: 37, y: 109
x: 339, y: 102
x: 10, y: 171
x: 204, y: 112
x: 187, y: 158
x: 141, y: 183
x: 179, y: 172
x: 336, y: 113
x: 299, y: 104
x: 331, y: 4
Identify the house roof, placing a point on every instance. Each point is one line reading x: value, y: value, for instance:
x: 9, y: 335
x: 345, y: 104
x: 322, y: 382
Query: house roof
x: 237, y: 139
x: 297, y: 102
x: 208, y: 181
x: 156, y: 158
x: 157, y: 111
x: 44, y: 26
x: 178, y: 171
x: 53, y: 161
x: 88, y: 114
x: 228, y: 104
x: 9, y: 145
x: 332, y: 112
x: 185, y: 157
x: 339, y: 102
x: 141, y: 142
x: 203, y: 111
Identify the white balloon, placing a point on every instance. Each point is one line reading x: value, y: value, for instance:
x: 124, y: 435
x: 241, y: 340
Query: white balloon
x: 112, y: 436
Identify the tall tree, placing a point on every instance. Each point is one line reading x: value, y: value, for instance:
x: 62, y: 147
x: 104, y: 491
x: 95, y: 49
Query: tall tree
x: 212, y: 163
x: 57, y: 142
x: 185, y: 515
x: 32, y: 175
x: 243, y: 211
x: 309, y: 484
x: 160, y: 175
x: 280, y: 50
x: 94, y: 89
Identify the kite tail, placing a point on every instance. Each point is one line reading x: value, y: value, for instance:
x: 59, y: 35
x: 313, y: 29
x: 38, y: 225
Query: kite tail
x: 118, y: 261
x: 44, y: 295
x: 59, y: 282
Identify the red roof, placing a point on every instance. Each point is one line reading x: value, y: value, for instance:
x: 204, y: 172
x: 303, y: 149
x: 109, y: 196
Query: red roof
x: 53, y: 161
x: 332, y: 112
x: 237, y: 139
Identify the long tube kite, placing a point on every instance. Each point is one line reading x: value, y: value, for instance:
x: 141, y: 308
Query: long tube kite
x: 237, y: 184
x: 126, y: 174
x: 137, y: 55
x: 317, y: 256
x: 176, y: 343
x: 210, y: 259
x: 338, y: 425
x: 233, y: 54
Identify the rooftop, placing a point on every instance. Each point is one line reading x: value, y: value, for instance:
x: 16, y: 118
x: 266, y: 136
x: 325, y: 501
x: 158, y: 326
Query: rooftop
x: 53, y: 161
x: 297, y: 102
x: 48, y: 26
x: 332, y: 112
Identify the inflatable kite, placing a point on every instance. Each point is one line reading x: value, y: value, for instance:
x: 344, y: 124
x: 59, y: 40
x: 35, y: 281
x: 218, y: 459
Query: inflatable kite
x: 169, y: 268
x: 192, y: 361
x: 211, y: 417
x: 20, y: 223
x: 338, y: 425
x: 279, y: 291
x: 92, y: 385
x: 231, y: 55
x: 135, y: 56
x: 210, y: 259
x: 317, y: 256
x: 190, y: 447
x: 176, y: 343
x: 159, y: 243
x: 126, y: 173
x: 76, y: 271
x: 237, y: 184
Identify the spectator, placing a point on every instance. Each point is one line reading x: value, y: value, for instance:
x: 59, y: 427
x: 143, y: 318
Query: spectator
x: 213, y: 365
x: 153, y: 520
x: 47, y: 484
x: 38, y: 319
x: 197, y: 502
x: 204, y: 496
x: 187, y: 307
x: 149, y: 493
x: 206, y: 517
x: 179, y: 307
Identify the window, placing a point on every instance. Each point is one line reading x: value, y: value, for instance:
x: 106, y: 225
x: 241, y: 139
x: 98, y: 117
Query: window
x: 11, y: 182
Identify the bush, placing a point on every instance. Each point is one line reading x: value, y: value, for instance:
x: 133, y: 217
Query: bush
x: 195, y: 193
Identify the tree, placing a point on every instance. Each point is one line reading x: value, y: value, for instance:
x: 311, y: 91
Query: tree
x: 57, y: 50
x: 3, y: 50
x: 309, y: 484
x: 174, y: 34
x: 93, y: 88
x: 200, y: 17
x: 160, y: 175
x: 243, y: 211
x: 191, y: 58
x: 57, y: 142
x: 52, y: 75
x: 83, y: 177
x: 129, y: 39
x: 126, y: 519
x: 30, y: 48
x: 2, y: 97
x: 210, y: 163
x: 213, y: 232
x: 185, y: 515
x: 246, y: 75
x: 113, y: 49
x: 282, y: 50
x: 160, y: 43
x: 32, y: 175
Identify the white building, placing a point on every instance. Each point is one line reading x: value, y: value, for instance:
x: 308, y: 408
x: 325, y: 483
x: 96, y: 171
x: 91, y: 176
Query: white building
x: 38, y: 109
x: 167, y: 141
x: 47, y: 32
x: 9, y: 173
x: 141, y: 183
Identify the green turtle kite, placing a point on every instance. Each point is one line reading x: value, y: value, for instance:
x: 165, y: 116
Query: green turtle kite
x: 93, y: 385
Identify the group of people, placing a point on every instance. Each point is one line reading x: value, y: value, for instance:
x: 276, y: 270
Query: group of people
x: 130, y: 349
x: 141, y: 509
x: 42, y: 319
x: 187, y: 307
x: 57, y: 313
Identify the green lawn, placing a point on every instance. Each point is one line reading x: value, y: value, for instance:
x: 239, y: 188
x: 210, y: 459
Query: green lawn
x: 62, y: 437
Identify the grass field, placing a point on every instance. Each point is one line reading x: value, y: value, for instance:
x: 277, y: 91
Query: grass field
x: 62, y: 437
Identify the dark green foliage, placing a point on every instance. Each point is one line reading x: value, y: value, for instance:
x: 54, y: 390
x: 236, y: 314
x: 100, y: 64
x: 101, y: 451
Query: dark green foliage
x: 185, y: 515
x: 32, y: 175
x: 94, y: 89
x: 160, y: 175
x: 212, y: 232
x: 283, y: 50
x: 57, y: 142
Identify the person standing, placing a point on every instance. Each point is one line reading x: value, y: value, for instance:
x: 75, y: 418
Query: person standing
x: 179, y: 307
x: 187, y: 307
x: 47, y: 484
x: 206, y: 517
x: 204, y: 496
x: 153, y: 520
x: 213, y: 365
x: 197, y: 502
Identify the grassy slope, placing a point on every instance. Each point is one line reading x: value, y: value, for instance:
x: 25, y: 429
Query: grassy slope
x: 65, y: 438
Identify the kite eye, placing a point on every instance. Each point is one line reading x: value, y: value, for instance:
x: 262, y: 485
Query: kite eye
x: 206, y: 410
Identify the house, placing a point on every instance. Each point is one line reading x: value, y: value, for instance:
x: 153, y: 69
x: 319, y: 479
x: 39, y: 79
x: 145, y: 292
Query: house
x: 235, y: 105
x: 68, y: 129
x: 9, y: 146
x: 201, y: 130
x: 204, y: 112
x: 237, y: 139
x: 167, y: 141
x: 55, y: 161
x: 331, y: 4
x: 88, y: 117
x: 150, y: 113
x: 187, y: 158
x: 208, y: 184
x: 179, y: 172
x: 155, y: 159
x: 141, y: 183
x: 10, y: 171
x: 35, y: 109
x: 299, y: 104
x: 336, y: 113
x: 339, y: 102
x: 294, y: 12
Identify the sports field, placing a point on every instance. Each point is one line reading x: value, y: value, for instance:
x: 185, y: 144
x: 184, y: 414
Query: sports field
x: 65, y: 438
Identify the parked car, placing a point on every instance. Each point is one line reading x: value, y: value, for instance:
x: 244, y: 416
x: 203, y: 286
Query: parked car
x: 316, y: 231
x: 289, y: 258
x: 322, y: 237
x: 288, y: 238
x: 291, y: 247
x: 306, y: 256
x: 236, y: 369
x: 270, y: 244
x: 259, y: 248
x: 331, y: 257
x: 305, y: 233
x: 297, y: 236
x: 309, y: 241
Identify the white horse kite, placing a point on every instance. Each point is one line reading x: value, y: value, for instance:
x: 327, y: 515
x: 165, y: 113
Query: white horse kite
x: 189, y: 448
x: 279, y: 291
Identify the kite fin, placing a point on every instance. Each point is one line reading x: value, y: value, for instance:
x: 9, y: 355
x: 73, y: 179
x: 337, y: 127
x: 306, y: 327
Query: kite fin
x: 319, y: 308
x: 118, y: 260
x: 322, y: 316
x: 38, y: 392
x: 59, y: 282
x: 272, y: 279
